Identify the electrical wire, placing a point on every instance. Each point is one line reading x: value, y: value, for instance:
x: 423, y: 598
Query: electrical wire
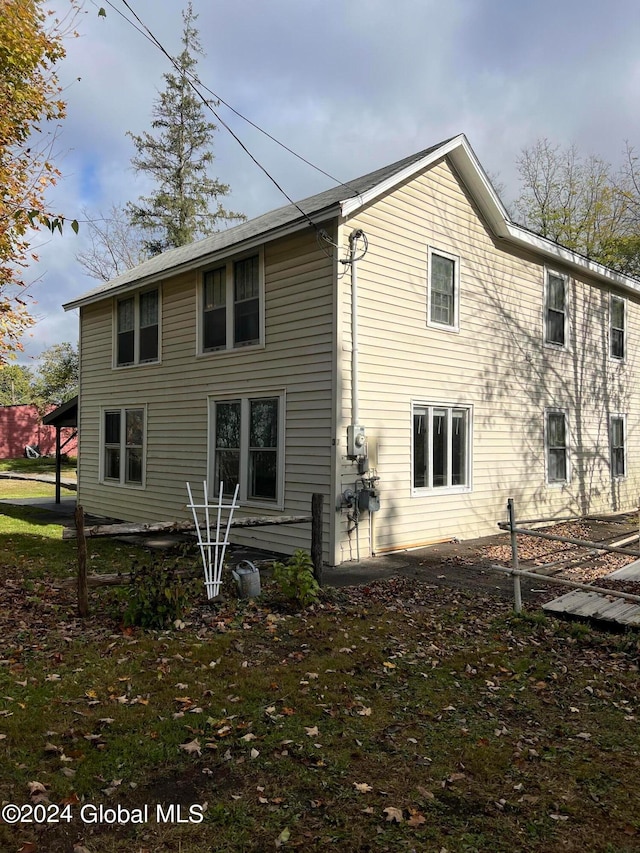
x: 355, y: 236
x: 194, y: 82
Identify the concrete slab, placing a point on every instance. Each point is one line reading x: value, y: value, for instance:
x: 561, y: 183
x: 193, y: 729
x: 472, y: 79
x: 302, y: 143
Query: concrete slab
x: 49, y: 511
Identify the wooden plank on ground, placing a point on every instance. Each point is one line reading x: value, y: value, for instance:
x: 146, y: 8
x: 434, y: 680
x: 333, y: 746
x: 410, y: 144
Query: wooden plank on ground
x: 141, y: 529
x: 629, y: 572
x: 592, y: 605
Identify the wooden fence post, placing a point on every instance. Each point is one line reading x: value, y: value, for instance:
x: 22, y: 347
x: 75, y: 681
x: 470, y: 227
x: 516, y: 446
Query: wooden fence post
x: 317, y: 502
x: 83, y: 591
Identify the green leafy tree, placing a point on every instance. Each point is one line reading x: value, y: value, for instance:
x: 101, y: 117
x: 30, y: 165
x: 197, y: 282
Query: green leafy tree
x: 623, y: 250
x: 185, y: 203
x: 571, y: 199
x: 15, y: 385
x: 57, y: 375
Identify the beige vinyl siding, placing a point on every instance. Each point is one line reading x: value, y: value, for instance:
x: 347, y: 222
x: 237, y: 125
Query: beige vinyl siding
x: 296, y: 360
x: 496, y: 363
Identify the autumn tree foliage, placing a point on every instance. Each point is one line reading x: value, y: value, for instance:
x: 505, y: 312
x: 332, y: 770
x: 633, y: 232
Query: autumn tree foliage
x: 31, y: 107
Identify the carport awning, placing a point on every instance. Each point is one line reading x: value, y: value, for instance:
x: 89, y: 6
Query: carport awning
x: 65, y: 415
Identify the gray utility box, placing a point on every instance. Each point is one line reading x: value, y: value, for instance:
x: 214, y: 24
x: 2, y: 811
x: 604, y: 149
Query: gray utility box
x: 369, y: 499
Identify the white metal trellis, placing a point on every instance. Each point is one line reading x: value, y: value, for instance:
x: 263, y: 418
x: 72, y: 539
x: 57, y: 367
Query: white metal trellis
x: 213, y: 541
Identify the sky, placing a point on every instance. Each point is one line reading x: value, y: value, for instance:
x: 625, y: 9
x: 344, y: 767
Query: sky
x: 350, y: 85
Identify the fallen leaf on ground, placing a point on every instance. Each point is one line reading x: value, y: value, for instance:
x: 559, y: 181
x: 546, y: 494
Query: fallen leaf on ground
x: 284, y: 836
x: 192, y: 747
x: 393, y: 815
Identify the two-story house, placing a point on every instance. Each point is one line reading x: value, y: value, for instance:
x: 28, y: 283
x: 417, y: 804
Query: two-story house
x: 397, y: 327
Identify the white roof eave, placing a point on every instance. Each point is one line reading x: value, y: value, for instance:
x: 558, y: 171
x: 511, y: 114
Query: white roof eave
x: 470, y: 170
x: 553, y: 251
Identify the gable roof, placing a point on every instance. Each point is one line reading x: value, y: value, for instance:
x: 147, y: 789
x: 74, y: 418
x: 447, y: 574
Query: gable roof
x: 344, y: 200
x: 268, y: 226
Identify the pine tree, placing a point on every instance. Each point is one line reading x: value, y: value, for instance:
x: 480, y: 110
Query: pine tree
x: 177, y: 156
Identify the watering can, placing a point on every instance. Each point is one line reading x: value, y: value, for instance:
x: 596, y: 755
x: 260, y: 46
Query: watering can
x: 247, y: 578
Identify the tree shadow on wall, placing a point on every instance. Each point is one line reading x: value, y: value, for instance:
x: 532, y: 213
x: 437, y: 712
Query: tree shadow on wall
x: 533, y: 377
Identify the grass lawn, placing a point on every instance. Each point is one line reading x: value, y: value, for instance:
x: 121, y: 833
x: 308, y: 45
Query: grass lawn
x: 32, y: 488
x: 29, y: 489
x: 42, y: 465
x: 393, y: 717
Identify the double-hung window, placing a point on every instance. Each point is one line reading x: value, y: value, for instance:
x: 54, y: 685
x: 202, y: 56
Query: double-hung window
x: 247, y: 446
x: 557, y: 446
x: 617, y: 327
x: 123, y: 431
x: 618, y: 445
x: 556, y: 309
x: 443, y: 290
x: 231, y: 315
x: 441, y: 447
x: 137, y: 329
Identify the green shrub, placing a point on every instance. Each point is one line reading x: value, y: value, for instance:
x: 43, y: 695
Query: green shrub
x: 296, y: 580
x: 157, y: 596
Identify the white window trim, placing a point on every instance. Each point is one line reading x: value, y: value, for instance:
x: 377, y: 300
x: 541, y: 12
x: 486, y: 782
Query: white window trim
x: 615, y: 358
x: 555, y: 410
x: 122, y: 483
x: 229, y: 283
x: 136, y: 329
x: 244, y: 399
x: 421, y: 491
x: 456, y: 290
x: 621, y: 416
x: 567, y: 308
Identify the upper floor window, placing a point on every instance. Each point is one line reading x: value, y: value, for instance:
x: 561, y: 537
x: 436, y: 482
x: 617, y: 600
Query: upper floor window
x: 123, y: 446
x: 248, y: 447
x: 443, y: 290
x: 556, y: 313
x: 617, y: 326
x: 231, y: 305
x: 557, y: 446
x: 137, y: 328
x: 441, y: 447
x: 618, y: 445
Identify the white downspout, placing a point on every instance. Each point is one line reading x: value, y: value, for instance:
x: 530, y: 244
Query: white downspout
x: 355, y: 390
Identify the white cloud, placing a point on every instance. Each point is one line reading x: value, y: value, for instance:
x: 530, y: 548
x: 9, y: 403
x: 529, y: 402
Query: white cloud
x: 351, y: 85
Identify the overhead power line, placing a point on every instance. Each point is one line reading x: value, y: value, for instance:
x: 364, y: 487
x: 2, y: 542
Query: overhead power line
x: 194, y: 82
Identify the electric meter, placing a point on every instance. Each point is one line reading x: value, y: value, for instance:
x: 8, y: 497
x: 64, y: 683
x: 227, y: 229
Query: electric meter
x: 356, y: 441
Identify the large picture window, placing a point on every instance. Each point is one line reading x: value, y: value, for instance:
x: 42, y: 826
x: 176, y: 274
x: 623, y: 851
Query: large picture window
x: 557, y: 446
x: 231, y: 309
x: 123, y: 446
x: 442, y: 291
x: 441, y: 447
x: 138, y: 329
x: 247, y: 446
